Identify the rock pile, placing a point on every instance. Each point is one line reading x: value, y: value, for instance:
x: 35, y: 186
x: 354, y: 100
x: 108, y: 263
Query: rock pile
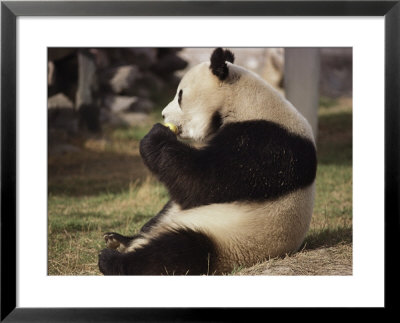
x: 90, y: 87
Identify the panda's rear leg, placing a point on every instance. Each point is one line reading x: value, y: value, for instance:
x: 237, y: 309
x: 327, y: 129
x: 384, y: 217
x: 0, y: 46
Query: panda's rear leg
x: 178, y: 252
x: 117, y: 241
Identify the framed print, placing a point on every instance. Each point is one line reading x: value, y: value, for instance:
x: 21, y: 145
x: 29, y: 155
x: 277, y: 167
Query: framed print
x: 32, y: 285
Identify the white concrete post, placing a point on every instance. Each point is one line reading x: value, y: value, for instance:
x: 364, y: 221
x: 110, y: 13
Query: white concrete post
x: 301, y: 78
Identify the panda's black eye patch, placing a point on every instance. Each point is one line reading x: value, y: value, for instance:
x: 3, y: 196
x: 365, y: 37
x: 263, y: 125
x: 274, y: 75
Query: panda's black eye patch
x: 180, y: 97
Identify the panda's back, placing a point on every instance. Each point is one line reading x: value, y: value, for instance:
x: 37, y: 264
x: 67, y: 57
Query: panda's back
x: 264, y: 102
x: 250, y: 161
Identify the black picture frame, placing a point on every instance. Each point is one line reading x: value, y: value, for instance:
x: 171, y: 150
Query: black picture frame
x: 10, y: 10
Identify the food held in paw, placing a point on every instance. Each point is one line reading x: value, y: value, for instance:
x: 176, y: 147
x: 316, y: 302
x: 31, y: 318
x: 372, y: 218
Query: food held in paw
x: 172, y: 127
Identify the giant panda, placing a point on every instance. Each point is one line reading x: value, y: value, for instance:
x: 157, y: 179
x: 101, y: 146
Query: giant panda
x: 242, y: 194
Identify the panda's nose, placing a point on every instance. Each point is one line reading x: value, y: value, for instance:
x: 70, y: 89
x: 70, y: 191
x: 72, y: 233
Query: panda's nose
x: 163, y: 115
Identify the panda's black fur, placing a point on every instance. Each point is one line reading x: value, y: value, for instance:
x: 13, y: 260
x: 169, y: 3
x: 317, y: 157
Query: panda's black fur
x: 268, y: 162
x: 218, y: 62
x: 248, y: 161
x: 175, y: 252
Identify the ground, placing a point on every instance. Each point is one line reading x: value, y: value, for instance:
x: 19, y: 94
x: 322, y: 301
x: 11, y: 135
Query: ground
x: 102, y: 185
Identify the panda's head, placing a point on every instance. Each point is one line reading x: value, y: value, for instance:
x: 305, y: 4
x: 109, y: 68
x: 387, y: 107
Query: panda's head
x: 215, y: 93
x: 198, y: 108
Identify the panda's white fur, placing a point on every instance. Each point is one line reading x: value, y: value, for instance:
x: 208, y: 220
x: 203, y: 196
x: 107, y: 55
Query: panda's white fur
x: 243, y: 96
x: 241, y: 232
x: 245, y: 233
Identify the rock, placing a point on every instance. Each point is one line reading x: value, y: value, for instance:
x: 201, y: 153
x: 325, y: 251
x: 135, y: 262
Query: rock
x: 151, y: 82
x: 142, y: 105
x: 129, y: 82
x: 274, y: 67
x: 139, y: 56
x: 50, y: 73
x: 148, y: 85
x: 140, y: 91
x: 64, y: 76
x: 61, y: 114
x: 101, y: 57
x: 142, y: 57
x: 124, y: 78
x: 172, y: 81
x: 120, y: 79
x: 134, y: 118
x: 336, y: 72
x: 61, y: 118
x: 119, y: 103
x: 89, y: 117
x: 59, y: 101
x: 112, y: 119
x: 168, y: 64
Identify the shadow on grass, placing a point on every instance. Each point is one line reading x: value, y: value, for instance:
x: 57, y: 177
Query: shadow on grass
x: 89, y: 173
x: 335, y: 143
x: 328, y: 238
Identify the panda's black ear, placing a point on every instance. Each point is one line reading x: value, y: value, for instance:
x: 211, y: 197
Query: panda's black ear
x: 218, y: 62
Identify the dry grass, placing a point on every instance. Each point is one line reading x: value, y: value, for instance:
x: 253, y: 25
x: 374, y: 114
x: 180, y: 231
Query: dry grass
x: 330, y: 261
x: 76, y: 224
x: 105, y: 187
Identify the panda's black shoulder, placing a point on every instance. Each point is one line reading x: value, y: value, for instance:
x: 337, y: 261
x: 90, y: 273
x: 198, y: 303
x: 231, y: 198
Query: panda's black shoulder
x: 256, y: 133
x: 279, y: 161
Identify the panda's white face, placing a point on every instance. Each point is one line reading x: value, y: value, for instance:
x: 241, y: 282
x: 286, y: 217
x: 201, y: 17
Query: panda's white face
x: 198, y: 97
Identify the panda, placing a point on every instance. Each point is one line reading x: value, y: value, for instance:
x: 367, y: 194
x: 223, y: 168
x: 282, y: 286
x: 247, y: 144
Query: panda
x: 242, y: 194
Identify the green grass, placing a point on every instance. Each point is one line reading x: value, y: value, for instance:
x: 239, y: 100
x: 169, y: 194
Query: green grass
x: 76, y: 224
x: 333, y: 208
x: 105, y: 187
x: 132, y: 133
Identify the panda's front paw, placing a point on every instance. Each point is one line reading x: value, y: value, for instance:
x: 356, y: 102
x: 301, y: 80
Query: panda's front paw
x: 160, y: 134
x: 152, y: 144
x: 110, y: 262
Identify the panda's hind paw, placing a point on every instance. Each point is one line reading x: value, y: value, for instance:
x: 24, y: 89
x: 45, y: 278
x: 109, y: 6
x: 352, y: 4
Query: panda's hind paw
x: 109, y: 262
x: 111, y: 239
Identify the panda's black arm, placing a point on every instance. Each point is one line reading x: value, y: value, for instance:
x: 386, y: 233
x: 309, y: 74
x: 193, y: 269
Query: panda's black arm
x: 171, y: 160
x: 190, y: 174
x: 250, y: 161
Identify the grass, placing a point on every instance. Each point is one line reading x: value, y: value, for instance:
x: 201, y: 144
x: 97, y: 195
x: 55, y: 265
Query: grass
x: 105, y: 187
x: 333, y: 202
x: 76, y: 224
